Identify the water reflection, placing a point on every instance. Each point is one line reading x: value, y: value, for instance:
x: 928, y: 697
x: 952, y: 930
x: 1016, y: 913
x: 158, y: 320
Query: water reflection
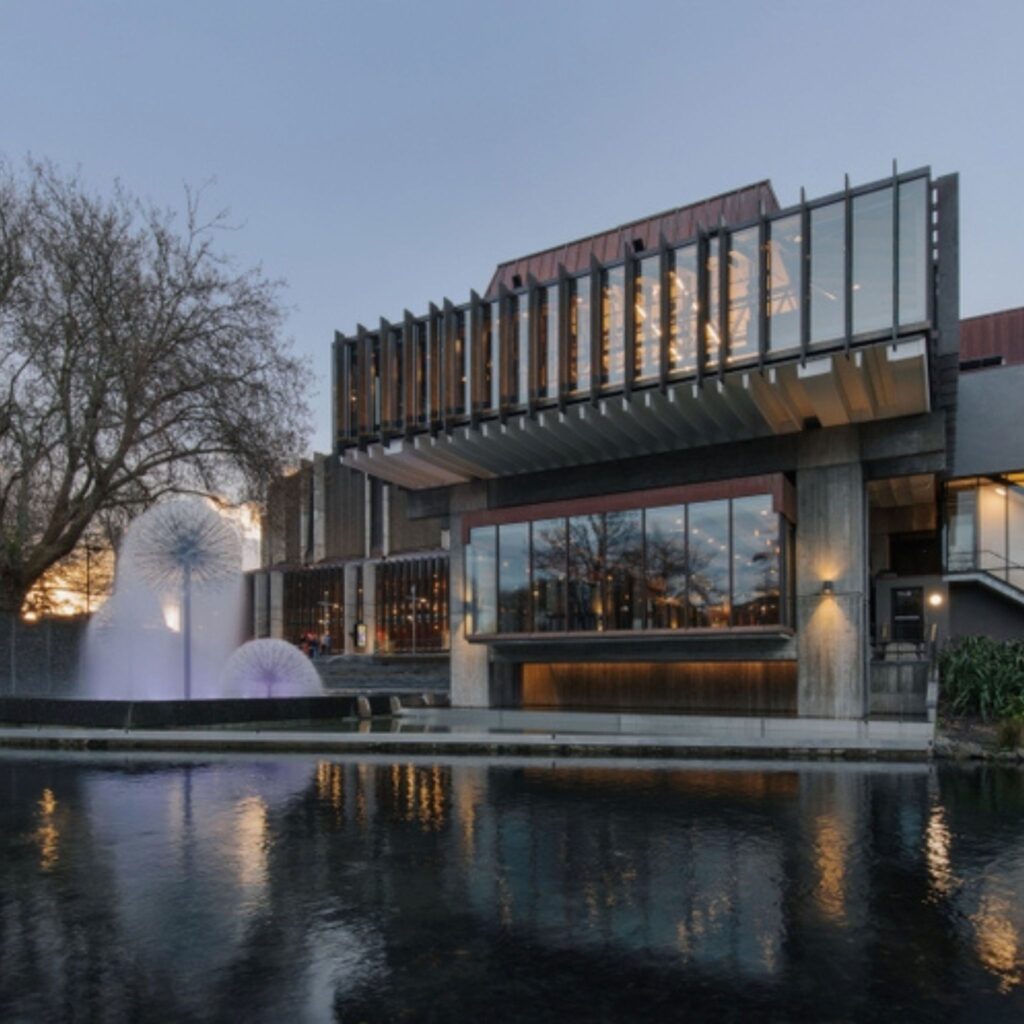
x: 370, y: 890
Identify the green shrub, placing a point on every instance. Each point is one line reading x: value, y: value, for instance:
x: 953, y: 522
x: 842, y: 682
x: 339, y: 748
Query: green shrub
x: 985, y: 677
x: 1010, y: 733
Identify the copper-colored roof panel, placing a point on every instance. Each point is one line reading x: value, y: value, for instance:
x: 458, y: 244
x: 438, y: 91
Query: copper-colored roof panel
x: 994, y: 334
x: 677, y: 226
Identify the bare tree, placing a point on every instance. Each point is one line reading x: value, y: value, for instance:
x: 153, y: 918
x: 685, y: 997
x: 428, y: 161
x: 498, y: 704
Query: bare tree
x: 136, y: 360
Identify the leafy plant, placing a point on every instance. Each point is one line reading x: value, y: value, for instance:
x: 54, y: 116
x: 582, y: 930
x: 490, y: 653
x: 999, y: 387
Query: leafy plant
x: 983, y: 676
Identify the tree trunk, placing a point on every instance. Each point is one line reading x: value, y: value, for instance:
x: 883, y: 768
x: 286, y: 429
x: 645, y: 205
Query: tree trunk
x: 12, y: 593
x: 12, y: 597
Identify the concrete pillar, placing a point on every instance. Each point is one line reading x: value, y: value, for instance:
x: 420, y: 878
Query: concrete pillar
x: 277, y: 606
x: 319, y: 508
x: 470, y: 670
x: 260, y: 606
x: 832, y: 637
x: 349, y: 600
x: 370, y: 607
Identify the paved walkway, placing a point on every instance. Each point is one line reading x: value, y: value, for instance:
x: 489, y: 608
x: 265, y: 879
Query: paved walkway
x: 554, y: 734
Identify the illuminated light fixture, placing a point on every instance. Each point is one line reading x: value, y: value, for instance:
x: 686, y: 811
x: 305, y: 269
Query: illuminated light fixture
x: 1001, y: 491
x: 828, y: 587
x: 935, y: 599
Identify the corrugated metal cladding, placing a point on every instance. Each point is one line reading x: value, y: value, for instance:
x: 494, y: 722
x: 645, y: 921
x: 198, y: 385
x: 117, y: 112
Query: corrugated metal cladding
x: 677, y: 225
x: 994, y: 334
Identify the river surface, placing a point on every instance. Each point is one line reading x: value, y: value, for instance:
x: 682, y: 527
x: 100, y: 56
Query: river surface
x: 295, y: 889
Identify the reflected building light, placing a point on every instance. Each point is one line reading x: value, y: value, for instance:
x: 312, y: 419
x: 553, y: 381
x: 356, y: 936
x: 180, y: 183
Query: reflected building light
x: 250, y: 833
x: 936, y: 850
x: 47, y: 835
x: 830, y: 860
x: 998, y: 943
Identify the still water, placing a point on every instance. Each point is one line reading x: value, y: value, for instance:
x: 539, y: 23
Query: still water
x: 304, y: 890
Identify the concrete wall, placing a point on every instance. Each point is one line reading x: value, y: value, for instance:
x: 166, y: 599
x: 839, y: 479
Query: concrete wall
x: 277, y: 605
x: 831, y: 545
x: 470, y: 669
x: 975, y: 610
x: 989, y: 434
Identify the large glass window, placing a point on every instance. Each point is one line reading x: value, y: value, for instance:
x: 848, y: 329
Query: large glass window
x: 514, y: 578
x: 550, y: 564
x: 481, y: 580
x: 992, y: 526
x: 354, y: 388
x: 711, y: 564
x: 872, y: 261
x: 756, y: 555
x: 397, y: 349
x: 579, y: 335
x: 785, y: 284
x: 744, y: 294
x: 665, y: 548
x: 682, y: 348
x: 547, y: 339
x: 913, y: 290
x: 713, y: 332
x: 1015, y: 535
x: 708, y: 564
x: 647, y: 314
x: 522, y: 354
x: 314, y: 603
x: 985, y: 527
x: 492, y: 356
x: 624, y: 570
x: 961, y: 512
x: 459, y: 386
x: 421, y: 372
x: 412, y: 605
x: 613, y: 325
x: 376, y: 384
x: 465, y: 363
x: 828, y: 272
x: 586, y: 572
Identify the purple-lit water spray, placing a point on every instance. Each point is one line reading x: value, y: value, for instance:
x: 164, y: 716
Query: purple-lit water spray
x: 184, y: 544
x: 175, y: 617
x: 270, y: 668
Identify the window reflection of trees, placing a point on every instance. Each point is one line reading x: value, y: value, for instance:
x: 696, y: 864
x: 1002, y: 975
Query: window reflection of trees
x: 586, y: 567
x: 549, y: 572
x: 706, y: 565
x: 624, y: 547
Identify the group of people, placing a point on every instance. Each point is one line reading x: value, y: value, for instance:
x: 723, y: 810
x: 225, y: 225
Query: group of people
x: 314, y: 646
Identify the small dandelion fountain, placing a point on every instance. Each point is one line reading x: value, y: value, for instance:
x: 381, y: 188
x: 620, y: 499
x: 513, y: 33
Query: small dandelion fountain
x: 270, y: 668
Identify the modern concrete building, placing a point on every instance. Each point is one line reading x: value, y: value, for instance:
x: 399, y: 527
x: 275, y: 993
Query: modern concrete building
x: 342, y: 558
x: 721, y: 459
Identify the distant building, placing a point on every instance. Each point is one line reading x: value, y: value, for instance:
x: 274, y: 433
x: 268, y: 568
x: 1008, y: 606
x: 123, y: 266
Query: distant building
x: 731, y: 457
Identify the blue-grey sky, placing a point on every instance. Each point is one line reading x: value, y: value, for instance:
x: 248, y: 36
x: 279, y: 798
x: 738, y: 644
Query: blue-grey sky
x: 383, y: 155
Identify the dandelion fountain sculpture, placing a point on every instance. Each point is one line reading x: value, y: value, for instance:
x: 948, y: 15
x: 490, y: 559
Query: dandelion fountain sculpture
x: 174, y: 622
x: 181, y: 545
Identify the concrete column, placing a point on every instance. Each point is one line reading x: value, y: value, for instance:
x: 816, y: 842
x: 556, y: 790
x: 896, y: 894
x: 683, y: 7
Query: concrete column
x: 832, y: 637
x: 260, y: 608
x: 470, y: 670
x: 319, y: 508
x: 370, y: 607
x: 277, y: 606
x: 349, y: 600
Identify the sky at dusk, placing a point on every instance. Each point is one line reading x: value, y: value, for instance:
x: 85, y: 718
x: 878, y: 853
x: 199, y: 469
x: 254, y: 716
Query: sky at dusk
x: 380, y: 156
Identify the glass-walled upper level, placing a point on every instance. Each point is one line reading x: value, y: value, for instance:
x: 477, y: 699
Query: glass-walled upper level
x: 832, y: 273
x: 985, y: 527
x: 714, y: 564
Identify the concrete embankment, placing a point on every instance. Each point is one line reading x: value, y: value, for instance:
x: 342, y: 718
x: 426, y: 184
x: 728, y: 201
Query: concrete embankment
x: 446, y: 732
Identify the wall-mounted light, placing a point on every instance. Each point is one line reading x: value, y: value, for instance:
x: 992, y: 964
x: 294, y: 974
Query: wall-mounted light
x: 935, y: 599
x: 828, y: 587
